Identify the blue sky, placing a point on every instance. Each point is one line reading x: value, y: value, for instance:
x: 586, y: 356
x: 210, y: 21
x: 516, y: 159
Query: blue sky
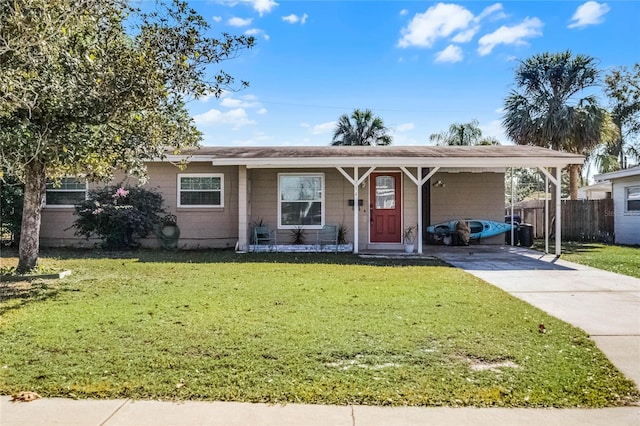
x: 419, y: 65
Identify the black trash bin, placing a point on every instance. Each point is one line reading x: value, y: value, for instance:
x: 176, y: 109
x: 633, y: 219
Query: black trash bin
x: 525, y: 235
x: 507, y: 235
x: 515, y: 235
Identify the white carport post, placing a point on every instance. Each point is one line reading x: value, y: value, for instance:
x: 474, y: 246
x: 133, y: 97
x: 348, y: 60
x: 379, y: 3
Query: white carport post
x: 243, y: 218
x: 555, y: 180
x: 419, y: 181
x: 558, y: 212
x: 355, y: 181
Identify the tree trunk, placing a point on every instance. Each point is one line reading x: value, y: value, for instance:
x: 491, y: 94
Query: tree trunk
x: 34, y: 189
x: 574, y: 178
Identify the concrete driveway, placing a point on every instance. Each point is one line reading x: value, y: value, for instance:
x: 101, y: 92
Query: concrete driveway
x: 604, y: 304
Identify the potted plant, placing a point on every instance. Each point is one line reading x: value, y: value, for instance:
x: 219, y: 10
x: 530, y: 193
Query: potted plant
x: 409, y: 237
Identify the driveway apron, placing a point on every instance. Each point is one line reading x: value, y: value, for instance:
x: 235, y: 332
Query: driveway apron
x: 604, y: 304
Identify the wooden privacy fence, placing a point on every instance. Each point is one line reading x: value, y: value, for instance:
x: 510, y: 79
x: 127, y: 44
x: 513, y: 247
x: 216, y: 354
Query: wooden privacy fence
x: 582, y: 220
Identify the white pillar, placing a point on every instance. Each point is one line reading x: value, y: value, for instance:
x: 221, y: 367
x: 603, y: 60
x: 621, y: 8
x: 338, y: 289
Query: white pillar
x: 419, y: 185
x: 558, y: 211
x: 355, y: 210
x: 243, y: 230
x: 546, y: 214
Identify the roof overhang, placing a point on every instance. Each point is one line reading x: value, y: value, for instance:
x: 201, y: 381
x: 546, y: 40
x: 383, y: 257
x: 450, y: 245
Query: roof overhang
x: 418, y: 156
x: 633, y: 171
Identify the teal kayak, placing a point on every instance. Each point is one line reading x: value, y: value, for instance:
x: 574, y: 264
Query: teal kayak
x: 478, y: 228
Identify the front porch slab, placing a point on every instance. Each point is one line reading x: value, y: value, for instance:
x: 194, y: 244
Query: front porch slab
x: 301, y: 248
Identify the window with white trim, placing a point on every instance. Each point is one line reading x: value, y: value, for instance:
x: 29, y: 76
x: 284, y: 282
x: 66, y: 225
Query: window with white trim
x: 68, y: 192
x: 300, y: 200
x: 632, y: 198
x: 200, y: 190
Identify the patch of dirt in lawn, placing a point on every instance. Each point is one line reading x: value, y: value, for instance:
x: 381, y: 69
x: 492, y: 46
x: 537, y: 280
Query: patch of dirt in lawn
x: 362, y: 361
x: 496, y: 366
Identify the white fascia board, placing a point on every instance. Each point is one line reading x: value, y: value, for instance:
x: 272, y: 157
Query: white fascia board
x: 458, y: 162
x: 633, y: 171
x: 324, y: 162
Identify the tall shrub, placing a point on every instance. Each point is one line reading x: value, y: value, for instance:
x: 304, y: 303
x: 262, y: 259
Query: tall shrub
x: 119, y: 216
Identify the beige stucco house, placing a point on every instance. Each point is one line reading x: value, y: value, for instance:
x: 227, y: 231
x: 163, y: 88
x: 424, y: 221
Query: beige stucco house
x: 374, y: 192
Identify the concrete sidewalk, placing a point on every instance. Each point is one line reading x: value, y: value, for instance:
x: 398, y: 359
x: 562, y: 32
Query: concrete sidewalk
x: 155, y: 413
x: 604, y: 304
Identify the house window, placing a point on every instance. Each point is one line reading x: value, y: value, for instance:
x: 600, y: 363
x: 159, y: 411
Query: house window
x: 66, y: 193
x: 200, y: 190
x: 632, y: 198
x: 300, y: 200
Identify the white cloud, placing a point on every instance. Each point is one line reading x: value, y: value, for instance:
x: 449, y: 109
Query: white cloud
x: 262, y: 111
x: 437, y: 22
x: 452, y: 54
x: 257, y: 32
x: 465, y: 36
x: 515, y: 35
x: 260, y: 6
x: 495, y: 11
x: 404, y: 12
x: 589, y: 13
x: 494, y: 129
x: 322, y: 128
x: 217, y: 18
x: 294, y: 19
x: 248, y: 102
x: 405, y: 127
x: 235, y: 117
x: 239, y: 22
x: 263, y: 6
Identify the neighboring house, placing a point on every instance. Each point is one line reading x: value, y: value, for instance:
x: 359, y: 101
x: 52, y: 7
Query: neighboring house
x: 373, y: 191
x: 626, y: 204
x: 597, y: 191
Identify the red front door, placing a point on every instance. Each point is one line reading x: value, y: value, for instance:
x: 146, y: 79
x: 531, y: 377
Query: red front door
x: 385, y: 209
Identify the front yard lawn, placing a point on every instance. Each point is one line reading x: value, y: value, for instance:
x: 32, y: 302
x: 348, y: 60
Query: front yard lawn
x: 620, y: 259
x: 278, y: 328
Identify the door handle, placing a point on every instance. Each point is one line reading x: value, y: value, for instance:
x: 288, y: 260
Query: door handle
x: 371, y: 213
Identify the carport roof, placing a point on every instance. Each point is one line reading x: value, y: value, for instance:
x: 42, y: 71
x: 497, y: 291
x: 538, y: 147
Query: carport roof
x: 369, y: 156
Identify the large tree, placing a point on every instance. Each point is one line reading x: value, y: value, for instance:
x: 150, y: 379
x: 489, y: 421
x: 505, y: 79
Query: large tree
x: 91, y: 86
x: 548, y: 108
x: 462, y: 134
x: 622, y: 87
x: 361, y: 128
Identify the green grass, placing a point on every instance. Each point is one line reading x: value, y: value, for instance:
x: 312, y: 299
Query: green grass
x: 620, y: 259
x: 327, y: 329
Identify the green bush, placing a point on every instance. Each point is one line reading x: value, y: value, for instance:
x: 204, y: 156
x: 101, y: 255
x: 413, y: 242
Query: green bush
x: 11, y: 200
x: 119, y: 216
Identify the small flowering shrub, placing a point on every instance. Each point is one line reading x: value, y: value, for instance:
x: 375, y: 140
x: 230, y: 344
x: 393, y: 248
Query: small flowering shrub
x: 119, y: 216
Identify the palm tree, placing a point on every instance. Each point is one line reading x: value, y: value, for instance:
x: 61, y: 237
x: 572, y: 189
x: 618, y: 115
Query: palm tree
x: 546, y: 109
x: 464, y: 134
x: 622, y: 87
x: 365, y: 129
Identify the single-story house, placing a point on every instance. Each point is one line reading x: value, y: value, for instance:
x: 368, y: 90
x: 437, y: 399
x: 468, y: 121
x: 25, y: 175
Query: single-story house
x: 597, y: 191
x: 626, y: 203
x: 373, y: 192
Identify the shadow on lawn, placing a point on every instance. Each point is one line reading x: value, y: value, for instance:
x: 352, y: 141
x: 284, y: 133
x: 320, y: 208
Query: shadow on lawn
x: 230, y: 256
x: 571, y: 247
x: 16, y: 295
